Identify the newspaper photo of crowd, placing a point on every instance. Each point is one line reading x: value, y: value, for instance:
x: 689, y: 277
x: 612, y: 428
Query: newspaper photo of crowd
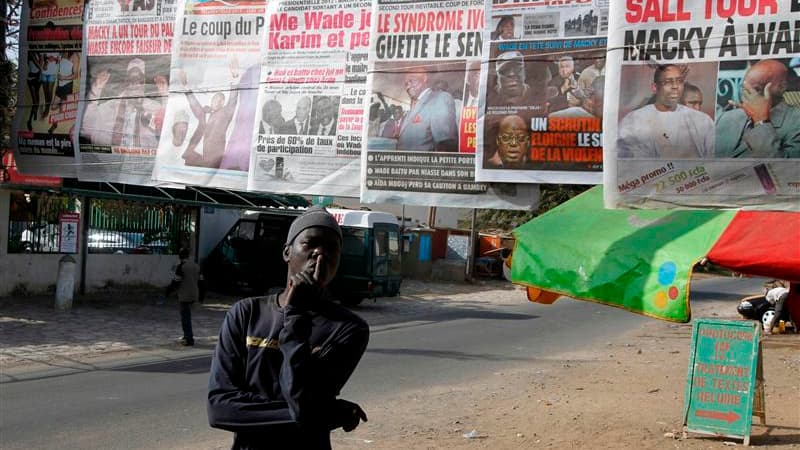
x: 581, y: 24
x: 523, y: 85
x: 129, y: 92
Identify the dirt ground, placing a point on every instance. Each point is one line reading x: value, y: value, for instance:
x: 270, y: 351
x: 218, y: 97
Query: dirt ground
x: 624, y: 394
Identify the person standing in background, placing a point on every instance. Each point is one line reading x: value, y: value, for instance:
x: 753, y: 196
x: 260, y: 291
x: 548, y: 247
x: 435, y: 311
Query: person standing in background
x: 471, y: 91
x: 68, y: 71
x: 692, y: 97
x: 34, y: 85
x: 49, y: 75
x: 186, y: 282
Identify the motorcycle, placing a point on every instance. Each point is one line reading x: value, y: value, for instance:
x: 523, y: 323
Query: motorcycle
x: 757, y: 307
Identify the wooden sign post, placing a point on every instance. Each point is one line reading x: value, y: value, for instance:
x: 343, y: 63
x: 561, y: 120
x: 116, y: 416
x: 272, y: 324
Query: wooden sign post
x: 725, y: 385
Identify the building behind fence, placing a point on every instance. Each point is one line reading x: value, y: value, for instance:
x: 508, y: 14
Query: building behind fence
x: 115, y: 226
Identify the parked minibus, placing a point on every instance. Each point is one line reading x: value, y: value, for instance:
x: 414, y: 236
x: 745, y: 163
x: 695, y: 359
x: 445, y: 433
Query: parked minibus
x: 250, y: 255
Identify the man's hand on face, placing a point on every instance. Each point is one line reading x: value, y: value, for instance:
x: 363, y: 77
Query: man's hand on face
x: 305, y: 286
x: 756, y: 104
x: 565, y: 86
x: 568, y: 85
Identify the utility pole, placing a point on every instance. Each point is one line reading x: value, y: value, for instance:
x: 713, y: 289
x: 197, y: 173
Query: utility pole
x: 432, y: 216
x: 473, y: 243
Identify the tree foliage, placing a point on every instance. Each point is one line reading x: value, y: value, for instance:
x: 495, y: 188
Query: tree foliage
x: 551, y: 195
x: 8, y: 100
x: 9, y: 27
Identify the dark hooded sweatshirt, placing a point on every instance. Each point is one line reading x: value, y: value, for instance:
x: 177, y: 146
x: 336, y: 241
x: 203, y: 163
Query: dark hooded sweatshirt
x: 277, y: 371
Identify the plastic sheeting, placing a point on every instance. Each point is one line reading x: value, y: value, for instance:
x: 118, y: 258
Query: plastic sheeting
x: 761, y: 243
x: 639, y: 260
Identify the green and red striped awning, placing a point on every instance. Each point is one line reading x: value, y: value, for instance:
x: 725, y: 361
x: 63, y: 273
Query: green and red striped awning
x: 642, y: 260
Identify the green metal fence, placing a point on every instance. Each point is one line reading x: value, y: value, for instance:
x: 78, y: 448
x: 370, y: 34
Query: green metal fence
x: 118, y: 226
x: 115, y: 226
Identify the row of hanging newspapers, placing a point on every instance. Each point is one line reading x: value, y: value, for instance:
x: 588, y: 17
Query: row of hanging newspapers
x: 443, y: 103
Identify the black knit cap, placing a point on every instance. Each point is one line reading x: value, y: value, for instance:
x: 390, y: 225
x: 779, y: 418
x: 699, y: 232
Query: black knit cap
x: 315, y: 216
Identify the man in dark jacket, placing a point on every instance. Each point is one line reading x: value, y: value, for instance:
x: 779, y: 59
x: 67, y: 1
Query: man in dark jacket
x: 186, y: 282
x: 282, y: 359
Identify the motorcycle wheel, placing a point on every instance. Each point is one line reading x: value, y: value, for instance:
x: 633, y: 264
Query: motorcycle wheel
x: 766, y: 319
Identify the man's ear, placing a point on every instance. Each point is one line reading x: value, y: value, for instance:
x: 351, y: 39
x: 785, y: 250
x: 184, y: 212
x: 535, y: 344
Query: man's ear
x: 654, y: 88
x: 286, y: 252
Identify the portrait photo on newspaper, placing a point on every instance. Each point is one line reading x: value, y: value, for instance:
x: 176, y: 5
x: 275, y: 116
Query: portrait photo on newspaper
x: 416, y: 106
x: 654, y: 119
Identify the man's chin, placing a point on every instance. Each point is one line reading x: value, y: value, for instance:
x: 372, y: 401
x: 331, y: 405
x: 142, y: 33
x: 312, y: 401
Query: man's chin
x: 667, y: 105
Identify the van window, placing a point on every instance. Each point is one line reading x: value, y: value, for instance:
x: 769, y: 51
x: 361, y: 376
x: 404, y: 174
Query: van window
x: 386, y: 243
x: 353, y: 242
x: 394, y: 251
x: 381, y: 243
x: 245, y: 230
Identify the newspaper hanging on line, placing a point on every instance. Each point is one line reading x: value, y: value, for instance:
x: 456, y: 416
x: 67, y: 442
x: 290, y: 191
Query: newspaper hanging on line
x: 541, y: 118
x: 125, y: 85
x: 208, y: 125
x: 307, y: 134
x: 708, y: 106
x: 49, y: 74
x: 420, y: 133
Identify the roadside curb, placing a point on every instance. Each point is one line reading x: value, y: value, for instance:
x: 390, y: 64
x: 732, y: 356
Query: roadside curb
x: 100, y: 362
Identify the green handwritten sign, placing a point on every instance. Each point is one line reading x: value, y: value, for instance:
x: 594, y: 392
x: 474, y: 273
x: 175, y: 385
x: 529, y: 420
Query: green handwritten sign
x: 722, y: 378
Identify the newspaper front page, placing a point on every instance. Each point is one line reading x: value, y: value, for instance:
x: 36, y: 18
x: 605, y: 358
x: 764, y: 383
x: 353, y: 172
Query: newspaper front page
x: 705, y: 110
x: 307, y: 133
x: 419, y: 120
x: 541, y: 115
x: 125, y: 86
x: 207, y: 129
x: 49, y: 78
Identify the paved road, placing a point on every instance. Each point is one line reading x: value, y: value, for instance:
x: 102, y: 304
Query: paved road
x: 161, y: 404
